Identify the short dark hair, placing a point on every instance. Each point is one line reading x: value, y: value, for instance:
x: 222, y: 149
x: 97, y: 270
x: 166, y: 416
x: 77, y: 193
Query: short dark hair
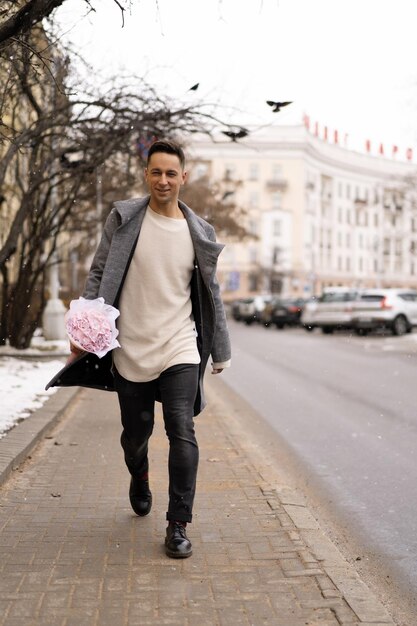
x: 169, y: 147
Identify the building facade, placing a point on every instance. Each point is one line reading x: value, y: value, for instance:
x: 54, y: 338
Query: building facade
x: 322, y: 215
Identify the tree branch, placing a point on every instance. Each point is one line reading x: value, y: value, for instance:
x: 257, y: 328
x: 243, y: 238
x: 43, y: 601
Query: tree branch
x: 23, y: 20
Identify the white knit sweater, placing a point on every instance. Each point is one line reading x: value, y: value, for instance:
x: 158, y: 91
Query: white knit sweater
x: 156, y: 328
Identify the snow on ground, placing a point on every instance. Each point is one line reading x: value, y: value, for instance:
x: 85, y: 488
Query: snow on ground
x: 23, y: 380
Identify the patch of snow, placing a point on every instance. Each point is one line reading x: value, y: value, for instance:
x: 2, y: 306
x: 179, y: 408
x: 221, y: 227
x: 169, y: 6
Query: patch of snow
x: 22, y: 382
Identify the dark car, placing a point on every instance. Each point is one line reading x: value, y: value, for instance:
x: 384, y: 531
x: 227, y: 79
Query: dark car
x: 235, y: 310
x: 283, y: 312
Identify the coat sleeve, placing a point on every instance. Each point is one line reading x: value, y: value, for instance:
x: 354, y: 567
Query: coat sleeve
x: 221, y: 350
x: 92, y: 285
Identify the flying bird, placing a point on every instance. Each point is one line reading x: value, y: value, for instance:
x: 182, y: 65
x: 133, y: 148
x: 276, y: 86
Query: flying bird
x: 194, y: 87
x: 277, y: 105
x: 234, y: 136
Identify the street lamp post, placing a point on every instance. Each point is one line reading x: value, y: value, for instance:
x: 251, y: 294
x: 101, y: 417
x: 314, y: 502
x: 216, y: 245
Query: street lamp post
x: 53, y: 315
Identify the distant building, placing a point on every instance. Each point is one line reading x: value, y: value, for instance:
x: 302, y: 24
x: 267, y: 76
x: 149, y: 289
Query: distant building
x: 324, y: 215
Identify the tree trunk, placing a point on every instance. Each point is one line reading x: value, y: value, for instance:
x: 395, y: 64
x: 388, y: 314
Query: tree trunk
x: 25, y: 309
x: 4, y: 306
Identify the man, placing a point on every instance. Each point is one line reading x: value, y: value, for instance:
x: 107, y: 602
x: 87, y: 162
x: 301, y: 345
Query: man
x: 156, y: 261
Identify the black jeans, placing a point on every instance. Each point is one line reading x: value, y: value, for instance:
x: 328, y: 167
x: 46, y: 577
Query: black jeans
x: 177, y: 389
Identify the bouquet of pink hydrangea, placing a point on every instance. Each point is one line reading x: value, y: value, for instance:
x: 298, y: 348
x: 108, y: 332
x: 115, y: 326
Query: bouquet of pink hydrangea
x: 91, y: 327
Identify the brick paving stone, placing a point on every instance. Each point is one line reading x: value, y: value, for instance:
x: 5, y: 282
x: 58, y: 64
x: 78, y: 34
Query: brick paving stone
x: 72, y: 553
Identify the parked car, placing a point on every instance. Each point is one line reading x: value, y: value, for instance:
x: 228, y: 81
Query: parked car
x: 250, y: 309
x: 394, y: 309
x: 283, y: 312
x: 332, y: 310
x: 234, y: 310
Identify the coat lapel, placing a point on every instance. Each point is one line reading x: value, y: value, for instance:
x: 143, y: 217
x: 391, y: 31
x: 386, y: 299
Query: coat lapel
x: 206, y: 251
x: 122, y: 245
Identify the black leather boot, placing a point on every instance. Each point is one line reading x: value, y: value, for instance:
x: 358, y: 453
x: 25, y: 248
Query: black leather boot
x: 140, y: 496
x: 177, y: 544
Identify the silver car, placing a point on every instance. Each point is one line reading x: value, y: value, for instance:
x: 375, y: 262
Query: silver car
x: 395, y: 309
x: 332, y: 310
x: 250, y: 309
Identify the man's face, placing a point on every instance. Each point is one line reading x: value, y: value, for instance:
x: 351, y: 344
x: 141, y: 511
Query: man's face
x: 164, y: 176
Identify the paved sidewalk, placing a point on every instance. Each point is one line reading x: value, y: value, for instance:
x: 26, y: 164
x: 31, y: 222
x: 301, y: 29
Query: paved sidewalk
x: 72, y: 553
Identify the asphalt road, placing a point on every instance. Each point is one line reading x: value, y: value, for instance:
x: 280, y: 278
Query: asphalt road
x: 347, y: 407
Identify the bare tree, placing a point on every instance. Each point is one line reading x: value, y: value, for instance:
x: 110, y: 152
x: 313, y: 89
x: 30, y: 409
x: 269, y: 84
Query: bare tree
x: 19, y: 18
x: 54, y: 141
x: 216, y: 204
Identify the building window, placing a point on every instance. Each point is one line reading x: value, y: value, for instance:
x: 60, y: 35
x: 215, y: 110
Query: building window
x: 233, y: 281
x: 277, y: 228
x: 398, y: 246
x: 276, y: 200
x: 253, y: 282
x: 339, y: 190
x: 276, y: 172
x: 348, y: 264
x: 348, y: 192
x: 253, y: 227
x: 253, y: 171
x: 347, y: 240
x: 376, y: 221
x: 254, y: 200
x: 253, y: 255
x: 229, y: 171
x: 201, y: 170
x: 276, y: 255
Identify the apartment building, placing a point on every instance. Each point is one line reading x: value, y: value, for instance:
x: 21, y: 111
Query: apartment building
x: 322, y: 215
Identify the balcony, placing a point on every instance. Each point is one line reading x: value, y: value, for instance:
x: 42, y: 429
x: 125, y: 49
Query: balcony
x: 276, y: 184
x: 360, y: 203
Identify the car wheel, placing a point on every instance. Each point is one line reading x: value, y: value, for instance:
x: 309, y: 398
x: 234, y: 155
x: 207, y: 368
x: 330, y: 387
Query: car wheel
x: 309, y: 329
x: 362, y: 332
x: 279, y: 326
x: 399, y: 325
x: 327, y: 330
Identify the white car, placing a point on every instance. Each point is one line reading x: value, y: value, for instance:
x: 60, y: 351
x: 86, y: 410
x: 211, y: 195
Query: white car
x: 395, y: 309
x: 332, y: 310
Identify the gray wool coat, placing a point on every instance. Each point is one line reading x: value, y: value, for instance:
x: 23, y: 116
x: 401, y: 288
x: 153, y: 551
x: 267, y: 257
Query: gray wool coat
x: 106, y: 277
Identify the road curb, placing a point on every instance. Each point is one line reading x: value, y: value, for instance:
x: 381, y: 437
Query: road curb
x: 18, y: 443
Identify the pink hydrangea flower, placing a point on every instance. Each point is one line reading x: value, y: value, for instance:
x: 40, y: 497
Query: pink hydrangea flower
x: 91, y: 326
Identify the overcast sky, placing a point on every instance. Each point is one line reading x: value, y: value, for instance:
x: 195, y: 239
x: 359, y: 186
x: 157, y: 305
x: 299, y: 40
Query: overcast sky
x: 349, y: 64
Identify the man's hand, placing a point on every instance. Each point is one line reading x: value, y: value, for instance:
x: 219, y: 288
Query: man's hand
x: 218, y: 371
x: 75, y: 352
